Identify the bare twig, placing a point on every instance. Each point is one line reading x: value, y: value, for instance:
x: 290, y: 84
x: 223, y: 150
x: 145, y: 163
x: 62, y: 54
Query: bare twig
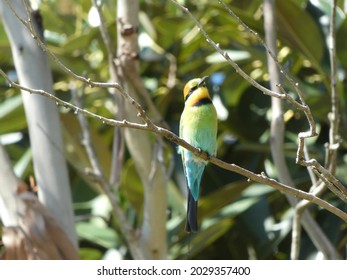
x: 228, y: 59
x: 331, y: 181
x: 76, y: 109
x: 302, y: 106
x: 118, y: 149
x: 267, y: 47
x: 300, y: 159
x: 103, y: 30
x: 127, y: 231
x: 152, y: 238
x: 261, y: 178
x: 149, y: 126
x: 296, y: 235
x: 88, y: 81
x: 277, y: 122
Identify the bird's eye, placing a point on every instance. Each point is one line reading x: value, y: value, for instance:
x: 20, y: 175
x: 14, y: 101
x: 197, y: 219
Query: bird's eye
x: 191, y: 90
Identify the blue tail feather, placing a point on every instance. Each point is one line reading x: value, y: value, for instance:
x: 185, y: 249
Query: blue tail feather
x: 194, y: 171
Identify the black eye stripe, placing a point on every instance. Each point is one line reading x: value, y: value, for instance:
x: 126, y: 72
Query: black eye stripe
x: 194, y: 88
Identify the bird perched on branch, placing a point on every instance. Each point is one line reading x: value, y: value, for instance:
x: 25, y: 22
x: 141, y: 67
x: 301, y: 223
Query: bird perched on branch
x: 198, y: 127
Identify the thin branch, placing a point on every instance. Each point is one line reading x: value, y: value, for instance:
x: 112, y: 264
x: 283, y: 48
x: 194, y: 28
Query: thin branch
x: 268, y: 49
x: 334, y: 116
x: 237, y: 68
x: 327, y: 174
x: 130, y: 70
x: 277, y: 136
x: 277, y: 122
x: 149, y: 123
x: 310, y: 172
x: 98, y: 173
x: 76, y: 109
x: 152, y: 238
x: 103, y: 30
x: 296, y: 235
x: 302, y: 106
x: 149, y: 126
x: 331, y: 181
x: 260, y: 178
x: 118, y: 148
x: 88, y: 81
x: 282, y: 94
x: 300, y: 159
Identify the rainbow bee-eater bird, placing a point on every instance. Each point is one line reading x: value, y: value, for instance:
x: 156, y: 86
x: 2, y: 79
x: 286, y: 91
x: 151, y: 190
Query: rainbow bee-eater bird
x: 198, y: 127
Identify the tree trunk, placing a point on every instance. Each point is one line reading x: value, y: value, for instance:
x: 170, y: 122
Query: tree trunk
x: 42, y: 116
x: 142, y: 149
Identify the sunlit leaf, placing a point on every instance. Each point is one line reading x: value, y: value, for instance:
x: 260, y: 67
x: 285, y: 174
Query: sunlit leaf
x: 212, y: 203
x: 132, y: 186
x: 102, y: 236
x: 299, y: 30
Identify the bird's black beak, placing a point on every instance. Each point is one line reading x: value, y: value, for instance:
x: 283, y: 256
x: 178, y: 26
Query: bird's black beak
x: 202, y: 82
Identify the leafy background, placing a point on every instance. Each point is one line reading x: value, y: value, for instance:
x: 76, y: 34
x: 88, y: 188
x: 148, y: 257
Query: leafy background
x: 239, y: 219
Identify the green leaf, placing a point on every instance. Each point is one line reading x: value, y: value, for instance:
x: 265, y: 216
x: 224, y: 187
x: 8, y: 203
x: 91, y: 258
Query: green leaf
x: 23, y: 163
x: 206, y: 237
x: 132, y: 185
x: 212, y: 203
x: 176, y: 199
x: 193, y: 245
x: 90, y: 254
x: 12, y: 115
x: 299, y: 31
x: 102, y: 236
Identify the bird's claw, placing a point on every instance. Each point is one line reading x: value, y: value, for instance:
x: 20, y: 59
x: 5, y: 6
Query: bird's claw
x: 206, y: 154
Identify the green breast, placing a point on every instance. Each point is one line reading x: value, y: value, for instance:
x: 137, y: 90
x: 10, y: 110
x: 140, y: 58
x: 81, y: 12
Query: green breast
x: 199, y: 127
